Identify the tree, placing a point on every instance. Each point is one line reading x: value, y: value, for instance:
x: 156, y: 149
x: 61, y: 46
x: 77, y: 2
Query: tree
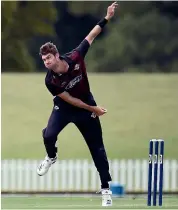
x: 167, y: 8
x: 149, y: 43
x: 20, y: 22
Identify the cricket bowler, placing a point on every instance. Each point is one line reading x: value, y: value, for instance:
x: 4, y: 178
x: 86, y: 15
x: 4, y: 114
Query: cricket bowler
x: 67, y: 81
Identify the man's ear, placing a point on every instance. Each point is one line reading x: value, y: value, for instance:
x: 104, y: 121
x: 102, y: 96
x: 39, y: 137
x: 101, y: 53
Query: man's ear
x: 57, y: 55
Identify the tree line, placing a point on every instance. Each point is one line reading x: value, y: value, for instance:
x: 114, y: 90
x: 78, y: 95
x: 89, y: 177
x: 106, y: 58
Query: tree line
x: 141, y: 37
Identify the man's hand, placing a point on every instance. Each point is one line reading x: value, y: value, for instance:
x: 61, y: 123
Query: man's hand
x: 111, y: 10
x: 99, y: 111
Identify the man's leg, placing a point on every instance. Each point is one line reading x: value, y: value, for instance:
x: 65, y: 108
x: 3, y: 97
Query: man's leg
x: 56, y: 123
x: 92, y: 133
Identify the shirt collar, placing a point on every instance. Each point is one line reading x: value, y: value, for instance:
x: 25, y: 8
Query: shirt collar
x: 69, y: 61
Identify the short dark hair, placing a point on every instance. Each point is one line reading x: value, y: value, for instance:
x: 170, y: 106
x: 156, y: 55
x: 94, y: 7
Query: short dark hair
x: 48, y: 47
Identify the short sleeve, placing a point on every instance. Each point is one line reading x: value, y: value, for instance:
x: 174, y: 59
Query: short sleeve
x: 83, y: 48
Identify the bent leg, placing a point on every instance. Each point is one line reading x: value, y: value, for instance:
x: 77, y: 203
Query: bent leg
x: 56, y: 123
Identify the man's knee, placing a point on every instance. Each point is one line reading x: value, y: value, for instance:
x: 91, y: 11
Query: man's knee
x: 48, y: 136
x: 43, y: 132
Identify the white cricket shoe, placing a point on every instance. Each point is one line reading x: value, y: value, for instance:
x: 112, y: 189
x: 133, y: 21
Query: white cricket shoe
x: 45, y: 165
x: 106, y: 197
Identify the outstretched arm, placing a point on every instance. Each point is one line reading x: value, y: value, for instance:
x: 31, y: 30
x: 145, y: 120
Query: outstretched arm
x: 98, y: 28
x: 85, y: 44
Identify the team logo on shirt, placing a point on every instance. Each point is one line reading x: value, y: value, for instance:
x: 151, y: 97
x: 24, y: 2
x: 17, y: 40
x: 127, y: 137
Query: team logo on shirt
x: 76, y: 67
x: 73, y: 82
x: 62, y: 85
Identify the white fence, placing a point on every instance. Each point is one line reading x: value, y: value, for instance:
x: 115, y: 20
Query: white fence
x: 81, y: 175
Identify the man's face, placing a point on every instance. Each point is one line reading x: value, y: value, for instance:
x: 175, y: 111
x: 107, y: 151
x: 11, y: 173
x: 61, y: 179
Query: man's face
x: 50, y: 60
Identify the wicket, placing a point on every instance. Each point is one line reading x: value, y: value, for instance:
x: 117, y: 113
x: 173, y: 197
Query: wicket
x: 156, y: 149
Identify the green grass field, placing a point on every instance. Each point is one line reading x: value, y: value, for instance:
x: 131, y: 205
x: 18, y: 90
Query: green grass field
x: 140, y: 107
x: 87, y: 202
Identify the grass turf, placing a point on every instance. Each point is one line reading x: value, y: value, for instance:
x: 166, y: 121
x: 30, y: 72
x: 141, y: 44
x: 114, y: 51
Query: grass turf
x: 87, y: 202
x: 140, y: 107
